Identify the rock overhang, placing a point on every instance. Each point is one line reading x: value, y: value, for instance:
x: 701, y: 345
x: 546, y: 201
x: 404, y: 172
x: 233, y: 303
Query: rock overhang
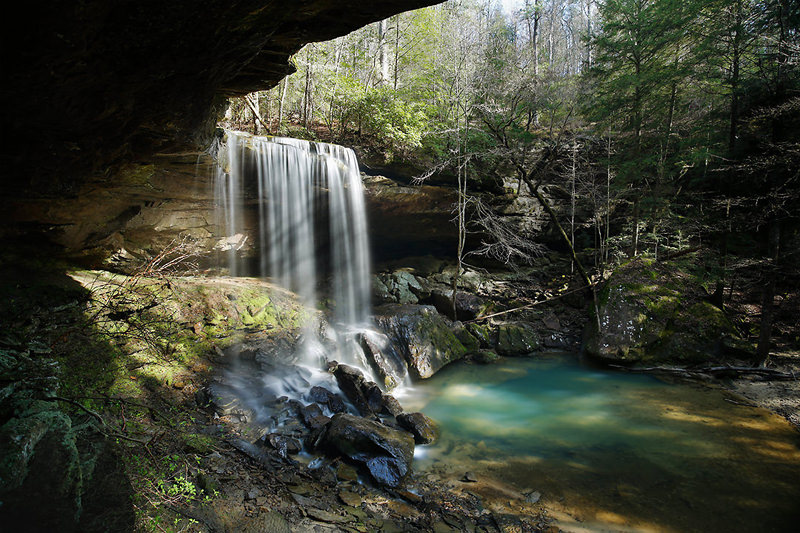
x: 89, y: 85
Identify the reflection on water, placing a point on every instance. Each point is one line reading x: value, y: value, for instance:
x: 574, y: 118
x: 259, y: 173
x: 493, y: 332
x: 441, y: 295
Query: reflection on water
x: 612, y: 451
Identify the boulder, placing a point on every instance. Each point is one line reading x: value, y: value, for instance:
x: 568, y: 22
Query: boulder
x: 313, y: 417
x: 383, y: 358
x: 391, y: 406
x: 470, y: 342
x: 387, y: 453
x: 516, y: 338
x: 400, y: 287
x: 351, y: 382
x: 468, y: 306
x: 422, y: 427
x: 285, y: 444
x: 484, y: 357
x: 323, y: 396
x: 380, y: 291
x: 484, y: 334
x: 651, y: 312
x: 423, y: 336
x: 374, y: 396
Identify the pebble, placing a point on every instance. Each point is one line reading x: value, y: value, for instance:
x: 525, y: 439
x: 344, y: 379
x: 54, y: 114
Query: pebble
x: 533, y: 497
x: 469, y: 477
x: 350, y: 498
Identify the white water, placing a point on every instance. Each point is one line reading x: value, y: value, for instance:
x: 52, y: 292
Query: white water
x: 303, y: 186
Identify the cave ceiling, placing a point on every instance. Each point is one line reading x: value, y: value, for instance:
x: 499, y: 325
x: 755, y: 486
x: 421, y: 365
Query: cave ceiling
x: 90, y: 84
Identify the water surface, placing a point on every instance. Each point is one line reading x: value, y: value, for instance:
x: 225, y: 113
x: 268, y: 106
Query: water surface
x: 610, y: 451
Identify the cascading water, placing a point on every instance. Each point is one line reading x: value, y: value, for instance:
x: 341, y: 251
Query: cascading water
x: 302, y: 186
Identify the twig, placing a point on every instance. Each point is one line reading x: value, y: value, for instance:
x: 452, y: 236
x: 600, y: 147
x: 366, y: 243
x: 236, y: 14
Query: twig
x: 149, y: 518
x: 527, y: 306
x: 740, y: 403
x: 78, y: 405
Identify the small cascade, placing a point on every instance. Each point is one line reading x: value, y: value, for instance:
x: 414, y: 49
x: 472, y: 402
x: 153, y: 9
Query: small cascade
x: 311, y: 222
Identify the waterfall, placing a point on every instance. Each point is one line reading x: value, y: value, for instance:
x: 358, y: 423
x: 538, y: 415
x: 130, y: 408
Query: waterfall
x: 301, y: 186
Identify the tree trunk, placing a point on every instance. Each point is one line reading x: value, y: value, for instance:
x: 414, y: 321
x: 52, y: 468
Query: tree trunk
x: 257, y: 121
x: 308, y: 104
x: 572, y: 195
x: 635, y: 245
x: 768, y: 296
x: 589, y: 33
x: 396, y: 51
x: 284, y: 85
x: 733, y: 132
x: 536, y: 8
x: 383, y: 62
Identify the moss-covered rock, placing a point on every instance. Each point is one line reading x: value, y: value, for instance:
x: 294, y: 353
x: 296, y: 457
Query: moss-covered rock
x: 484, y: 333
x: 654, y: 312
x: 423, y: 336
x: 470, y: 342
x: 484, y: 357
x: 516, y: 338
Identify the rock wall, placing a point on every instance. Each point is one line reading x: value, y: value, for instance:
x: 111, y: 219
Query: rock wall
x: 145, y: 208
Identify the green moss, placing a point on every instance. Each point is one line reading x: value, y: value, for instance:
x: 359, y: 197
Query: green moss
x: 196, y: 443
x: 471, y: 343
x: 483, y: 333
x: 516, y: 339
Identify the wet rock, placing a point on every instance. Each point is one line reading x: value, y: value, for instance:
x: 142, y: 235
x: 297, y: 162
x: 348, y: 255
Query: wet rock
x: 484, y: 357
x: 422, y: 336
x: 422, y: 427
x: 516, y: 338
x: 469, y: 477
x: 313, y: 417
x: 374, y: 396
x: 556, y: 340
x: 383, y: 358
x: 390, y: 405
x: 386, y: 453
x: 323, y: 396
x: 351, y: 382
x: 346, y: 472
x: 285, y: 445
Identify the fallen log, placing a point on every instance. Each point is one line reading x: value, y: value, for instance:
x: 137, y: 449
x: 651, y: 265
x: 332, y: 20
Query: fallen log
x: 734, y: 371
